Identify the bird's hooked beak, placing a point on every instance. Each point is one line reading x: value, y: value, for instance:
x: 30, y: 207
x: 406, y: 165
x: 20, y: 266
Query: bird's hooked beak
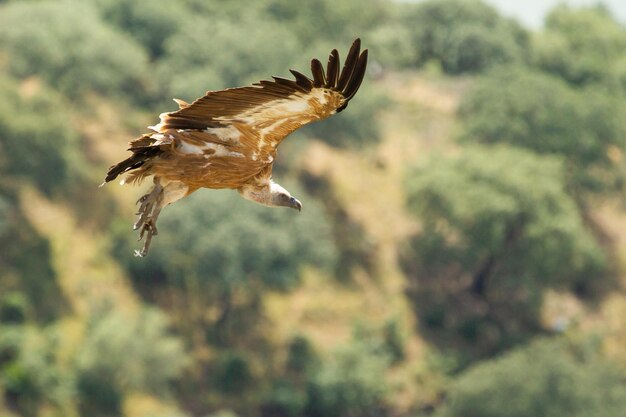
x: 295, y: 204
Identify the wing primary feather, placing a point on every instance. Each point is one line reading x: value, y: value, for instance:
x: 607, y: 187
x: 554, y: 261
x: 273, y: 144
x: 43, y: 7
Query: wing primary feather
x: 357, y: 76
x: 302, y: 80
x: 348, y: 67
x: 219, y: 106
x: 332, y: 69
x: 317, y: 69
x: 280, y: 86
x: 289, y: 83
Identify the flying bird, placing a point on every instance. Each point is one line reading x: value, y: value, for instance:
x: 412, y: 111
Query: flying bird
x: 229, y: 138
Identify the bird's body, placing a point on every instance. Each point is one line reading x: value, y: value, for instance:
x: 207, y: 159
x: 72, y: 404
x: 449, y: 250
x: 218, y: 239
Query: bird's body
x: 229, y: 138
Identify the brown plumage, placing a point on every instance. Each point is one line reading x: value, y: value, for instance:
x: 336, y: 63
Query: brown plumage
x: 228, y: 138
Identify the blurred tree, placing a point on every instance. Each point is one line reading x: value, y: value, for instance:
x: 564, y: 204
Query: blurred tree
x: 67, y: 44
x: 543, y: 114
x: 394, y: 340
x: 31, y: 373
x: 220, y: 248
x: 301, y: 357
x: 151, y: 23
x: 497, y: 228
x: 28, y: 286
x: 232, y: 373
x: 287, y: 396
x: 320, y: 22
x: 354, y: 248
x: 14, y: 308
x: 351, y: 383
x: 390, y: 43
x: 232, y: 58
x: 121, y: 354
x: 546, y: 378
x: 580, y: 56
x: 463, y: 35
x: 284, y: 400
x: 36, y: 138
x: 220, y: 239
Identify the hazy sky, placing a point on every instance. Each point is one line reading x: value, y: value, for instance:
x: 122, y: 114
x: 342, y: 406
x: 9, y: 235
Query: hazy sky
x: 532, y: 12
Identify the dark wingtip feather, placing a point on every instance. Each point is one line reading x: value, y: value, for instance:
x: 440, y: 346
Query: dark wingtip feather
x: 357, y: 76
x: 348, y: 66
x: 302, y: 80
x: 332, y: 69
x: 291, y: 84
x: 347, y: 82
x: 317, y: 69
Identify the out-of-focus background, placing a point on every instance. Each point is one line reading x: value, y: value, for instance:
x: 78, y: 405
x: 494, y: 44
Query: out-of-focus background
x: 461, y: 252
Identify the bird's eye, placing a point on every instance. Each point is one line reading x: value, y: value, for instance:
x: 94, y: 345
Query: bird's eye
x: 284, y: 197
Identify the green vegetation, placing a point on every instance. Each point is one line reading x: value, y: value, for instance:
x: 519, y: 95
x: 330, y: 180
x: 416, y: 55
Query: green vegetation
x: 498, y: 228
x: 121, y: 354
x: 583, y: 57
x: 349, y: 383
x: 463, y: 36
x: 547, y: 378
x: 67, y: 44
x: 30, y: 372
x: 29, y: 286
x: 459, y: 253
x: 541, y: 113
x: 28, y: 120
x: 215, y: 242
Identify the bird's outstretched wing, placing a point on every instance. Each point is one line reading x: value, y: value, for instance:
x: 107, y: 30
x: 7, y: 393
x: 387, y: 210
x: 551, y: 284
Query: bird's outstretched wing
x: 273, y: 109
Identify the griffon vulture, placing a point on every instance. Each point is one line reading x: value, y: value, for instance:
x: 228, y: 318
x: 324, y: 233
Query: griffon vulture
x: 229, y: 138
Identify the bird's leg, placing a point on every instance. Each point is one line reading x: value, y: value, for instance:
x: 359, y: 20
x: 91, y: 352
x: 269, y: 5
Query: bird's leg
x: 147, y: 203
x: 149, y: 209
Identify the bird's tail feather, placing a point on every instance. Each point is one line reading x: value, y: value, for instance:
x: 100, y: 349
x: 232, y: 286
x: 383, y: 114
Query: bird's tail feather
x: 142, y: 150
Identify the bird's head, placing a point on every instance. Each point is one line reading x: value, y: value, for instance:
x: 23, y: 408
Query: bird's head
x: 282, y: 198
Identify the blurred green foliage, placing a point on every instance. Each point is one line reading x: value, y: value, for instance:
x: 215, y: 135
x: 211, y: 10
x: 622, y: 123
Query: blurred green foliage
x: 122, y: 353
x: 583, y: 46
x: 67, y: 44
x: 232, y: 374
x: 36, y: 138
x: 546, y: 378
x: 135, y: 353
x: 541, y: 130
x: 349, y: 383
x: 541, y: 113
x: 354, y: 248
x: 28, y: 283
x: 226, y: 252
x: 498, y: 228
x: 150, y: 24
x: 30, y: 370
x: 118, y: 354
x: 463, y: 35
x: 195, y: 65
x: 219, y: 241
x: 345, y: 382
